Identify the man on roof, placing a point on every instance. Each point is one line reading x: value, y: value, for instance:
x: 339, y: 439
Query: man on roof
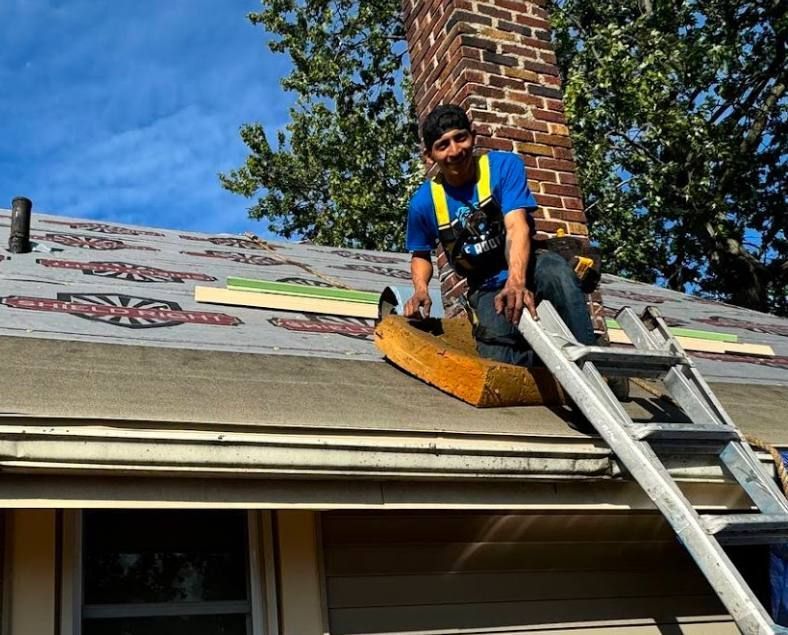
x: 479, y: 209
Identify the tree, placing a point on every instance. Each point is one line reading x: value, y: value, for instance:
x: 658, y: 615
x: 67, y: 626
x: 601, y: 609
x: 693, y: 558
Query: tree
x: 679, y: 117
x: 343, y: 171
x: 678, y: 112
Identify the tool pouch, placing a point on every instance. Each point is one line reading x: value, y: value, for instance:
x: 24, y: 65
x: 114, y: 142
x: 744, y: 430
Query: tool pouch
x: 581, y: 256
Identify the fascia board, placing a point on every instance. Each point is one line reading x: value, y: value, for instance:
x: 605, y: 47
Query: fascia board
x: 88, y: 449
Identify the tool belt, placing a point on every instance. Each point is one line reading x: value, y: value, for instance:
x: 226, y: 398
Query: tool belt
x: 581, y: 256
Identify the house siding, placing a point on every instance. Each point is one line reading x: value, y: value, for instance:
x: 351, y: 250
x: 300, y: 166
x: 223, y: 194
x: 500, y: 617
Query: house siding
x: 414, y: 572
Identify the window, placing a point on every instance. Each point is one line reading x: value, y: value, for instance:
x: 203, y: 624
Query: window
x: 165, y: 572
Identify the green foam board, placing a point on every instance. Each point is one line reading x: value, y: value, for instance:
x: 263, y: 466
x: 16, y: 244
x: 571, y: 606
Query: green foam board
x: 301, y: 290
x: 682, y: 332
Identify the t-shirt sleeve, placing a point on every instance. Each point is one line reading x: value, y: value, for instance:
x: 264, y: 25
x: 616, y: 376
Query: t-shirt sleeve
x: 420, y: 234
x: 513, y: 184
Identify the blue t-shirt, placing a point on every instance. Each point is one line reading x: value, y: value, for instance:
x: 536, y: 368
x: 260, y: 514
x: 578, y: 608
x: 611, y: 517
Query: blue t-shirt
x: 509, y: 187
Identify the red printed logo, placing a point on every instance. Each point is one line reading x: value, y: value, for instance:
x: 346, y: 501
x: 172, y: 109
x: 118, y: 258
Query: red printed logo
x: 229, y: 241
x: 374, y: 258
x: 121, y: 310
x: 634, y: 296
x: 247, y: 259
x: 126, y: 271
x: 756, y: 327
x: 103, y: 228
x: 357, y: 328
x: 90, y: 242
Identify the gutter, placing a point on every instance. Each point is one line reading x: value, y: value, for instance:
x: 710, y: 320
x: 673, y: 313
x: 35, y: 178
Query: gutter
x: 315, y: 454
x: 318, y: 454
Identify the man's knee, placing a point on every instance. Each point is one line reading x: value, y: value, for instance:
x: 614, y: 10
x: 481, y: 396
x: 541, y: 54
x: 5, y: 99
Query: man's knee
x: 506, y: 354
x: 490, y: 326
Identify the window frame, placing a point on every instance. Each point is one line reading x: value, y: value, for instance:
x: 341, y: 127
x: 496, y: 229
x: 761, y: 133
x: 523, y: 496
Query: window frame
x: 261, y: 590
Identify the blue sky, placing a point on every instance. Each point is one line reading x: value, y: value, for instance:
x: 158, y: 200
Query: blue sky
x: 126, y: 110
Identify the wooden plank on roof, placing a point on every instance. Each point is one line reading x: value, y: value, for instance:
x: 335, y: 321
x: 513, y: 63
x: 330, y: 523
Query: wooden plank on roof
x: 301, y: 290
x: 757, y: 350
x: 213, y: 295
x: 685, y: 332
x: 442, y: 353
x: 704, y: 346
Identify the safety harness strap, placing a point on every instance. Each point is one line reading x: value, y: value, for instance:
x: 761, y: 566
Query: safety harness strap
x: 483, y: 185
x: 440, y: 203
x: 483, y: 190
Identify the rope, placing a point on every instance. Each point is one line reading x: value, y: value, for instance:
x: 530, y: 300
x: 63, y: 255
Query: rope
x: 779, y: 465
x: 286, y: 261
x: 650, y: 389
x: 754, y: 441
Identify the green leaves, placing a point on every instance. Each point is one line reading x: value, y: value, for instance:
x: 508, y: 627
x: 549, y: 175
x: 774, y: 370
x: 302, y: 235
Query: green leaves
x: 343, y: 171
x: 678, y: 115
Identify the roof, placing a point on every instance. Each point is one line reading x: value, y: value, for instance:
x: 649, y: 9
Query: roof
x: 151, y: 274
x: 108, y: 345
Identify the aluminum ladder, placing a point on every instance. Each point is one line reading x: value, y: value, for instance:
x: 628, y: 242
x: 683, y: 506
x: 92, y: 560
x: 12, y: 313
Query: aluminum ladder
x: 656, y: 354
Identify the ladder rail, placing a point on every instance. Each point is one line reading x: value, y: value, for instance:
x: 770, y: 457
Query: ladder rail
x: 681, y: 388
x: 689, y: 388
x: 741, y: 463
x: 653, y: 315
x: 552, y: 321
x: 590, y: 392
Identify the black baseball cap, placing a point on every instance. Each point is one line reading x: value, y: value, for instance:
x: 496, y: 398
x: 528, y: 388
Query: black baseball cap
x: 442, y: 119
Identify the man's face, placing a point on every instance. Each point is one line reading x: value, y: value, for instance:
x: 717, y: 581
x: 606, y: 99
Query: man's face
x: 453, y: 152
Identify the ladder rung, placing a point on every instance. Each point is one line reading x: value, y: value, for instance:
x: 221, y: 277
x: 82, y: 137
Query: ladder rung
x: 747, y: 529
x: 658, y: 353
x: 627, y: 361
x: 692, y: 432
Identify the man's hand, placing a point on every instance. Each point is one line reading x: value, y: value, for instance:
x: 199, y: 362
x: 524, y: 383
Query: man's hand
x: 421, y: 274
x: 419, y: 300
x: 511, y: 301
x: 514, y: 296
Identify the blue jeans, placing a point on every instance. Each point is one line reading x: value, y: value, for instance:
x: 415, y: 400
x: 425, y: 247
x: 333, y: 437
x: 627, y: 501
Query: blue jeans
x: 551, y: 279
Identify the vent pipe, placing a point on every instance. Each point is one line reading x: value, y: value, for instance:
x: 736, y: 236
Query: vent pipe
x: 19, y: 239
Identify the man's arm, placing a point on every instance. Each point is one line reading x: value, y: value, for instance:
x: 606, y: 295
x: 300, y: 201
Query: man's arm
x: 420, y: 274
x: 515, y: 296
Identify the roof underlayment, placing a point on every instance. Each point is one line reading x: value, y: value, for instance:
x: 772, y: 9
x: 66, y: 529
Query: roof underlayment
x: 84, y: 262
x: 99, y: 331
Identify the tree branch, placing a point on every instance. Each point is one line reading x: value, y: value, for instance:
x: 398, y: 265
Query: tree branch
x: 599, y: 200
x: 755, y: 132
x: 641, y: 148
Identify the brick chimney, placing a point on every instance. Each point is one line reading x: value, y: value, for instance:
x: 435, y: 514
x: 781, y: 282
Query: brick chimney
x: 495, y: 59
